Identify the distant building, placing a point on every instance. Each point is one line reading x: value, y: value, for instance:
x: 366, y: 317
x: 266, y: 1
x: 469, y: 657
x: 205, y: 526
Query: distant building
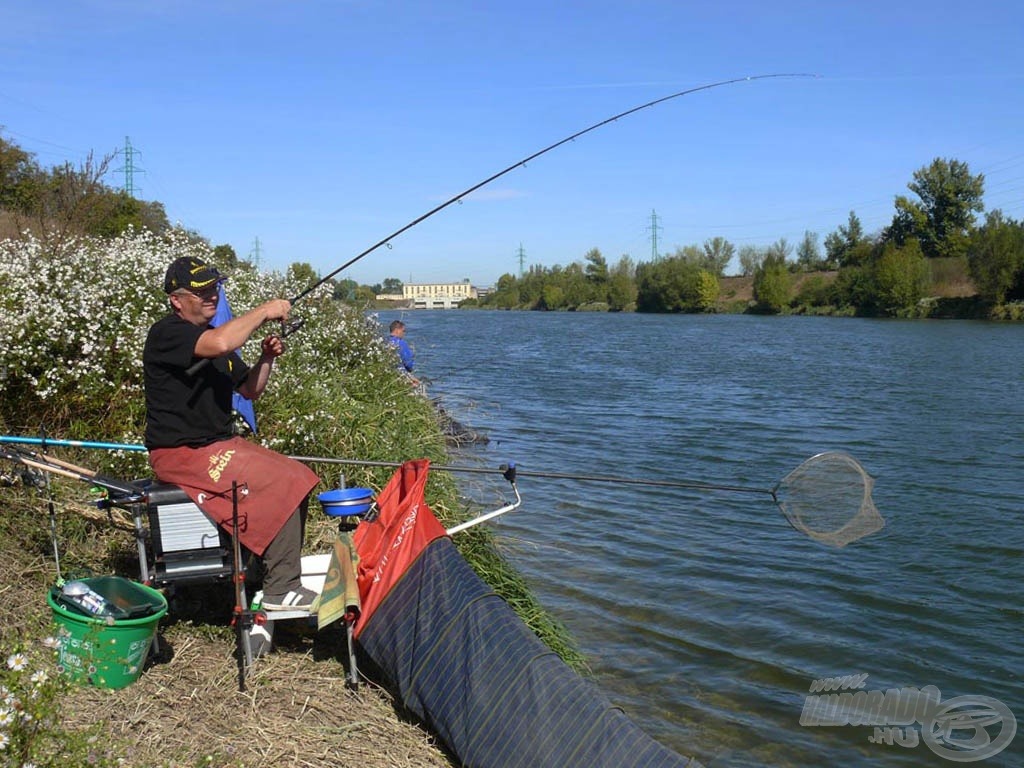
x: 433, y: 295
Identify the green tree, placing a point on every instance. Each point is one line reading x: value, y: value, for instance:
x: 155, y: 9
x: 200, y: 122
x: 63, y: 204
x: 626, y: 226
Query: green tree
x: 996, y: 258
x: 596, y: 273
x: 576, y: 288
x: 691, y: 254
x: 808, y: 253
x: 392, y: 285
x: 772, y: 281
x: 780, y: 250
x: 718, y: 252
x: 506, y: 293
x: 67, y: 201
x: 553, y: 297
x: 750, y: 259
x: 853, y: 287
x: 815, y: 291
x: 847, y: 246
x: 597, y: 268
x: 19, y: 176
x: 943, y: 218
x: 672, y: 284
x: 365, y: 295
x: 899, y: 276
x: 622, y: 285
x: 706, y: 290
x: 225, y: 258
x: 531, y: 285
x: 345, y: 290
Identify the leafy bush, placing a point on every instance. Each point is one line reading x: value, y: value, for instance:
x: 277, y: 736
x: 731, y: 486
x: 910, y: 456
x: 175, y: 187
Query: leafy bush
x: 899, y: 276
x: 1012, y: 310
x: 814, y: 292
x: 772, y: 285
x: 675, y: 284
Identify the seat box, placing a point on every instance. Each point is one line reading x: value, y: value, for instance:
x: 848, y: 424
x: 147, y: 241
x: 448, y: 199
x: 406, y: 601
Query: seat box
x: 187, y: 545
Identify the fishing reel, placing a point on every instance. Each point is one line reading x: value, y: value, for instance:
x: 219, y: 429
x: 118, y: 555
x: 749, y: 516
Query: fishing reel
x: 288, y: 327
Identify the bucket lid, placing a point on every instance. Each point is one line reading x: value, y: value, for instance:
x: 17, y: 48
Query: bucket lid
x: 346, y: 496
x: 112, y: 597
x: 126, y: 598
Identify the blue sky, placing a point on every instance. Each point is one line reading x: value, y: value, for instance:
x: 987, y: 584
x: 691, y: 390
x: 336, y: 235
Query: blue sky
x: 321, y: 127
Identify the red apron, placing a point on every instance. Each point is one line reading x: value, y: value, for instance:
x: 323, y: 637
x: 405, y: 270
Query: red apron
x: 270, y: 486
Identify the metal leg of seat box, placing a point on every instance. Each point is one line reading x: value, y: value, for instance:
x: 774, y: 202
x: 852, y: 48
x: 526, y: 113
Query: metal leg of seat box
x: 144, y: 572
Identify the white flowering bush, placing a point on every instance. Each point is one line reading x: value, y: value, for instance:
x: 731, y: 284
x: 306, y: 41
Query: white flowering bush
x: 33, y: 732
x: 75, y: 318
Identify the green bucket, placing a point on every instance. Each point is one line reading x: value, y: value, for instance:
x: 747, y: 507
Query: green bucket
x: 104, y: 651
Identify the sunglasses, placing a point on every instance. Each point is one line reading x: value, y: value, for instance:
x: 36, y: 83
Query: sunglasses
x: 206, y: 294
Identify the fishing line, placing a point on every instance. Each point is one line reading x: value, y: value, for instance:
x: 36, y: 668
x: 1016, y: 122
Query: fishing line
x: 534, y: 156
x: 827, y: 497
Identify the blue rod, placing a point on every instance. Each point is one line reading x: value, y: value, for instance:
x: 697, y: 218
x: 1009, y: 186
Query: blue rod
x: 71, y: 443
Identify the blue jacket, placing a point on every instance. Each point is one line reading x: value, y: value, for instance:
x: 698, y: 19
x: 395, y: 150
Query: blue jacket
x: 404, y: 353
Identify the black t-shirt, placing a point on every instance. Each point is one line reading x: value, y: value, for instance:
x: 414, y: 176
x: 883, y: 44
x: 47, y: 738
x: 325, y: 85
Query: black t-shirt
x: 183, y: 409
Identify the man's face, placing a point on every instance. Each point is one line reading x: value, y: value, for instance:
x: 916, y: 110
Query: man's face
x: 399, y: 331
x: 197, y: 307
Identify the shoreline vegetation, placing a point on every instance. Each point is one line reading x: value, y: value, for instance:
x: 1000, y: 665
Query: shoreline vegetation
x: 951, y: 298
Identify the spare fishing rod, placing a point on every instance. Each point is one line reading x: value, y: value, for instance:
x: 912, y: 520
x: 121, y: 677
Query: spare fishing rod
x: 534, y: 156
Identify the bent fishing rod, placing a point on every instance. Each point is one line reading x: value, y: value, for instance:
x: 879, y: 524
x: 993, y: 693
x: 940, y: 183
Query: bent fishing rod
x: 290, y: 327
x: 534, y: 156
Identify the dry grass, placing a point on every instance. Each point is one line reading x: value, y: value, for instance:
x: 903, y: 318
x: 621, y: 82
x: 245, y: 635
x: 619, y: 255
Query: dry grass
x: 187, y: 710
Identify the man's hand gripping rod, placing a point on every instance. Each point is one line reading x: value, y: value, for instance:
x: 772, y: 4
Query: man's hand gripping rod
x: 288, y: 327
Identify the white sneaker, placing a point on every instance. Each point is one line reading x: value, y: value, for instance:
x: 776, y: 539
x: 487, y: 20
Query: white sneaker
x: 296, y: 600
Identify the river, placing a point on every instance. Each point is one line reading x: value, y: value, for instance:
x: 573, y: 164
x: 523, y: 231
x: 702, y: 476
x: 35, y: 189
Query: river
x: 703, y: 613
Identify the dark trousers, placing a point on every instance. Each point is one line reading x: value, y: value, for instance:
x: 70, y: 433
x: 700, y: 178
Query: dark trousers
x: 282, y: 558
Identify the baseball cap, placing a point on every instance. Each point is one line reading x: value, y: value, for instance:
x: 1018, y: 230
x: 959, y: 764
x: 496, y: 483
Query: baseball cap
x: 192, y: 274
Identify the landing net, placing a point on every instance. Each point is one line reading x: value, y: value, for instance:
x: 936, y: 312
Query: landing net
x: 828, y: 498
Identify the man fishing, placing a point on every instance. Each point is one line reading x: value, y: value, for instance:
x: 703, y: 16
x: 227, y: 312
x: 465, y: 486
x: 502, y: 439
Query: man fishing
x: 405, y: 354
x: 190, y: 429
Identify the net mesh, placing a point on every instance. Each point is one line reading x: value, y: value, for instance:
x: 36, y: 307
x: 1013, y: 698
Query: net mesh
x: 828, y: 498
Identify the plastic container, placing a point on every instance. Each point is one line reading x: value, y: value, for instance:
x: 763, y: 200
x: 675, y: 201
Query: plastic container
x: 345, y: 502
x: 102, y: 650
x: 108, y: 596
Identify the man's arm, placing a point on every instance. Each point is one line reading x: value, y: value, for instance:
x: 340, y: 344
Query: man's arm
x: 259, y: 374
x: 226, y: 338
